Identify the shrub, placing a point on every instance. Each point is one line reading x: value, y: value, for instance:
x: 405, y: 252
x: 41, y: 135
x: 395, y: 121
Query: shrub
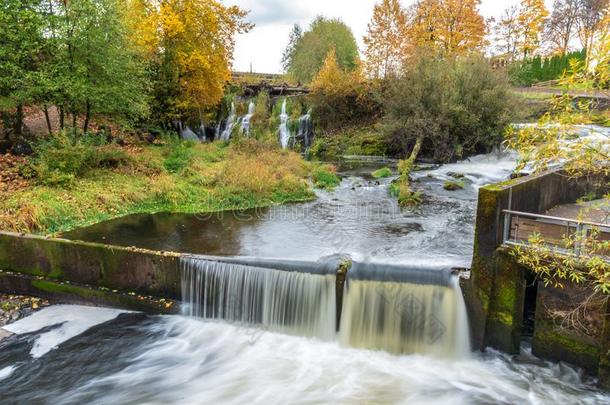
x: 456, y: 107
x: 340, y: 97
x: 64, y: 156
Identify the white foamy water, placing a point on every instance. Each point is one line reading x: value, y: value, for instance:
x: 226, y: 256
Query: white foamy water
x: 478, y: 170
x: 6, y: 372
x: 197, y: 362
x: 72, y: 320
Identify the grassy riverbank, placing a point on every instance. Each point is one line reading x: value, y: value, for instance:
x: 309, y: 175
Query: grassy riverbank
x: 171, y: 176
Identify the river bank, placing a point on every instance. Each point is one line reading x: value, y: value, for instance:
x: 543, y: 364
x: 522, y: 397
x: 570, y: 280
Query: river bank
x: 16, y: 307
x: 168, y: 176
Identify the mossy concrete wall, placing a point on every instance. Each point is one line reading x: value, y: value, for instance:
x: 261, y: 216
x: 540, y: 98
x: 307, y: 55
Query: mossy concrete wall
x: 63, y: 292
x: 582, y: 340
x: 135, y: 270
x: 491, y: 274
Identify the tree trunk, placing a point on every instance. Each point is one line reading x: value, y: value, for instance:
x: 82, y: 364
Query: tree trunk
x: 48, y: 119
x: 74, y: 121
x: 18, y: 123
x: 414, y: 153
x: 87, y: 116
x: 62, y: 118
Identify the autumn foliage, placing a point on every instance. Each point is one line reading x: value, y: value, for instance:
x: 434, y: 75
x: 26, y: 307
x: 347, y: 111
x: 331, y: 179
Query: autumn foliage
x: 386, y: 39
x: 340, y: 96
x: 447, y: 26
x: 191, y: 44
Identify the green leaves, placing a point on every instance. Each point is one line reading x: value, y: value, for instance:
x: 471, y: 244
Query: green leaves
x: 305, y: 54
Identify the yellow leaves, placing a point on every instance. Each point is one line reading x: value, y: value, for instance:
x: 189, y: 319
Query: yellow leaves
x: 531, y: 23
x: 386, y: 39
x: 193, y: 40
x: 447, y: 26
x: 332, y: 79
x: 170, y: 21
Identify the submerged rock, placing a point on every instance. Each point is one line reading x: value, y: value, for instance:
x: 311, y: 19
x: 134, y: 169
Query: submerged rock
x: 453, y: 185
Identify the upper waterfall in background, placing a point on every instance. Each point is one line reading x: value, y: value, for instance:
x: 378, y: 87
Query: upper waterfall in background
x: 284, y: 130
x: 225, y: 135
x: 245, y: 120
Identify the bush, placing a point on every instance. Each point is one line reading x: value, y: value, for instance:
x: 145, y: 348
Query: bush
x: 538, y: 69
x: 64, y: 156
x: 340, y: 97
x: 456, y: 107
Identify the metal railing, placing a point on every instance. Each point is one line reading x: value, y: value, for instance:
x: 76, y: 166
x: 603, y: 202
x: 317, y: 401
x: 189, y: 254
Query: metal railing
x: 520, y: 226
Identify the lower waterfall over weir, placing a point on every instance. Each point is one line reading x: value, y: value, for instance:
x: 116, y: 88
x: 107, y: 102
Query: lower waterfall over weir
x: 292, y: 302
x: 400, y: 310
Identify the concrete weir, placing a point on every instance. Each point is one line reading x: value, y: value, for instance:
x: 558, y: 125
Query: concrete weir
x: 316, y: 299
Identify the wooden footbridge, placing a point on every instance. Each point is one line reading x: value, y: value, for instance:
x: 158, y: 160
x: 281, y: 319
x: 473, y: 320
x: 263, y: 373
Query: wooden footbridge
x: 274, y: 84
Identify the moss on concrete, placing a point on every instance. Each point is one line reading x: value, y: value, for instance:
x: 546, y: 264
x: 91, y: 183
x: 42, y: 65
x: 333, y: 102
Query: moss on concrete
x: 70, y: 293
x: 553, y: 344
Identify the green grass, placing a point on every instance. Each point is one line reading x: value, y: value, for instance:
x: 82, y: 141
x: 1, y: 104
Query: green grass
x: 382, y: 173
x: 325, y: 178
x: 171, y: 178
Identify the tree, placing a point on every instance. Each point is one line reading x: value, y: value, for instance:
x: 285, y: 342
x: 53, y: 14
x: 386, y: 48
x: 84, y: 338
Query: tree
x: 312, y: 48
x: 21, y: 46
x: 295, y: 36
x: 531, y: 23
x: 385, y: 39
x: 591, y: 21
x: 561, y: 25
x: 507, y: 33
x: 339, y: 96
x: 446, y: 108
x: 96, y: 68
x: 190, y: 46
x: 447, y: 26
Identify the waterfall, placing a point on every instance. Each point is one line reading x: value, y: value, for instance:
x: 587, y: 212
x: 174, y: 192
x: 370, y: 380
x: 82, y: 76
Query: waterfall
x: 245, y: 121
x: 187, y: 134
x: 201, y: 132
x: 226, y: 133
x: 289, y: 301
x: 404, y: 311
x: 305, y: 129
x: 284, y: 130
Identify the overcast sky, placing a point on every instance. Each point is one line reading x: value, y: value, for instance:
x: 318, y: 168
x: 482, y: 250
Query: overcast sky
x: 263, y: 46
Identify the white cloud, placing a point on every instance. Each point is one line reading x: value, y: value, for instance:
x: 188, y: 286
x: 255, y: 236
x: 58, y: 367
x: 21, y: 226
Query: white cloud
x: 263, y: 46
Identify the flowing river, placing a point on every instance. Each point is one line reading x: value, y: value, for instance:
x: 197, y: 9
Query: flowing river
x: 74, y: 355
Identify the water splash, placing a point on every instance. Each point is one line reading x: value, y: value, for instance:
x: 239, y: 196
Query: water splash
x: 245, y: 120
x: 292, y: 302
x: 284, y: 130
x: 229, y: 125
